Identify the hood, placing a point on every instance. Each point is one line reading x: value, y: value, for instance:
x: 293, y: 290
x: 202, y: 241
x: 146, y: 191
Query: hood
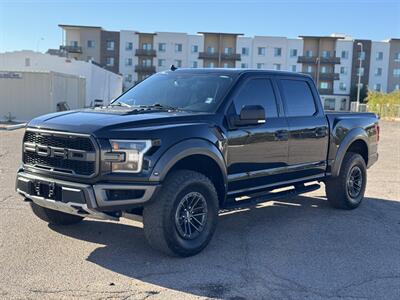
x: 95, y: 121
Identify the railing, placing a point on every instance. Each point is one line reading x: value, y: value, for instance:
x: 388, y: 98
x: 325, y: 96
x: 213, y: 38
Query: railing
x: 145, y: 69
x: 217, y: 55
x: 71, y: 49
x: 322, y: 60
x: 145, y: 52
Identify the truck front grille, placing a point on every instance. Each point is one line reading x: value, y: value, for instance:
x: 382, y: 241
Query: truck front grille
x: 65, y: 153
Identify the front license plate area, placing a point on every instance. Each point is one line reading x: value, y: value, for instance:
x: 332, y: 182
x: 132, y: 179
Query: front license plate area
x: 45, y: 189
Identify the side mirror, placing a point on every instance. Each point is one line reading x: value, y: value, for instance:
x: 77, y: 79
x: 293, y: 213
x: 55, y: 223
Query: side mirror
x: 251, y: 115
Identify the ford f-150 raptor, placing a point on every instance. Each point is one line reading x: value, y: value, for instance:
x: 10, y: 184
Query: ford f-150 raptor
x: 184, y: 144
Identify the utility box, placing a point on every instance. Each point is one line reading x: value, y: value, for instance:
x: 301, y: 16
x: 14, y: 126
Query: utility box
x: 26, y: 95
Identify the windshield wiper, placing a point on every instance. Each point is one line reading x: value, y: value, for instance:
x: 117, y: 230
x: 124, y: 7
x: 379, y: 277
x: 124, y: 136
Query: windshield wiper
x: 161, y: 106
x: 119, y: 103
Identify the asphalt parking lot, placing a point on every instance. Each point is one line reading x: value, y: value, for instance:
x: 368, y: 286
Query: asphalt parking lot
x: 287, y: 249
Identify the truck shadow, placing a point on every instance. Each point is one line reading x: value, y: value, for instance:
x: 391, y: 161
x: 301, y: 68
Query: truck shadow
x: 300, y: 245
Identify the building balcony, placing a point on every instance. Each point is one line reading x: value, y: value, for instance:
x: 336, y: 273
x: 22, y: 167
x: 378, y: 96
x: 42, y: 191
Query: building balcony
x: 324, y: 76
x: 217, y: 55
x: 313, y: 60
x: 71, y: 49
x: 145, y: 52
x: 145, y: 69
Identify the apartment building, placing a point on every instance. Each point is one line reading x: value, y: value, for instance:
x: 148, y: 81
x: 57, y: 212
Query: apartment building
x: 219, y: 50
x: 393, y: 82
x: 333, y: 61
x: 91, y: 43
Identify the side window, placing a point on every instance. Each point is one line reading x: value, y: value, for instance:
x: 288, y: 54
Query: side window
x: 298, y: 98
x: 257, y: 92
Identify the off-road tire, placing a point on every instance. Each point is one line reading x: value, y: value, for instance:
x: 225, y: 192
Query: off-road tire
x: 54, y: 217
x: 336, y: 188
x: 159, y: 216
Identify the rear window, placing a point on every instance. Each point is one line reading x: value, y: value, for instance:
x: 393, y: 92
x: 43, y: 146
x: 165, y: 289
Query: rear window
x: 299, y: 101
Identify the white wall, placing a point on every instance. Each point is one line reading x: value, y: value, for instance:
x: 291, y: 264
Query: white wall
x: 383, y: 64
x: 195, y: 39
x: 244, y: 42
x: 292, y: 60
x: 100, y: 83
x: 169, y: 56
x: 343, y: 45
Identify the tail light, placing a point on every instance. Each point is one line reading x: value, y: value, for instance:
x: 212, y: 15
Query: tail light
x: 377, y: 130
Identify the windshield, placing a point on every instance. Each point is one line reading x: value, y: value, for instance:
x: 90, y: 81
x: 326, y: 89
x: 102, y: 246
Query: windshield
x: 193, y: 92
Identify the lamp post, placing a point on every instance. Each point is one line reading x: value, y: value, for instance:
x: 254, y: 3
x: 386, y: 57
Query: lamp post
x: 317, y: 61
x: 359, y: 75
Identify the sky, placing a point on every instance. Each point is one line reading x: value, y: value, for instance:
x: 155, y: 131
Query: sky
x: 32, y: 25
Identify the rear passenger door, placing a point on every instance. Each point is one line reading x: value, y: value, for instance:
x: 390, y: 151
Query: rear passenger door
x: 308, y: 128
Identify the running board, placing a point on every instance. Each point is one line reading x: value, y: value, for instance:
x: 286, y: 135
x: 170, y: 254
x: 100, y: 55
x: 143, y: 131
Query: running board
x: 259, y: 198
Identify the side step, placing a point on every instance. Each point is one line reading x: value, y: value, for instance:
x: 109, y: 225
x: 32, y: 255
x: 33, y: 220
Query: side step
x: 259, y: 198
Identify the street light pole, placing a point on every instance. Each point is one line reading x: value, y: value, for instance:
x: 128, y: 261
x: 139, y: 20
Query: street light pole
x: 317, y: 60
x: 359, y: 76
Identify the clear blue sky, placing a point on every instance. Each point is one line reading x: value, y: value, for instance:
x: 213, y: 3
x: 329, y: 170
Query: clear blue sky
x: 24, y: 23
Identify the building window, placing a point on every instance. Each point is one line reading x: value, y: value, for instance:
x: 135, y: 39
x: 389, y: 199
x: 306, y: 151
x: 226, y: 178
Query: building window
x: 323, y: 85
x: 178, y: 63
x: 326, y: 54
x: 378, y: 72
x: 226, y: 65
x: 260, y: 66
x: 110, y: 45
x: 277, y: 67
x: 147, y: 62
x: 342, y: 86
x: 90, y: 58
x: 309, y: 69
x: 293, y: 68
x: 361, y: 55
x: 27, y: 62
x: 324, y: 69
x: 309, y: 53
x: 211, y: 65
x: 329, y: 104
x: 162, y: 47
x: 161, y: 62
x: 343, y: 104
x: 293, y: 52
x: 397, y: 87
x: 210, y: 50
x: 90, y: 44
x: 360, y: 71
x: 74, y: 43
x: 110, y: 61
x: 277, y: 52
x: 195, y: 49
x: 128, y: 77
x: 245, y: 51
x: 261, y: 51
x: 228, y: 50
x: 343, y: 70
x: 147, y: 46
x: 397, y: 56
x: 244, y: 65
x: 396, y: 72
x: 195, y: 64
x: 128, y: 46
x: 344, y: 54
x: 379, y: 55
x: 128, y: 62
x: 377, y: 87
x: 178, y: 47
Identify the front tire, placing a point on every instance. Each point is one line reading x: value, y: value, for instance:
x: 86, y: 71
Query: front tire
x: 53, y: 216
x: 347, y: 190
x: 182, y: 219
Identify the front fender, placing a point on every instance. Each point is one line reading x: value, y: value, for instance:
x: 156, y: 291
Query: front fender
x: 352, y: 136
x: 184, y: 149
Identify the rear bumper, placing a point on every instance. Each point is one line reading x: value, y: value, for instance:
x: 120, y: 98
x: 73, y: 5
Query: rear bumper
x: 80, y: 199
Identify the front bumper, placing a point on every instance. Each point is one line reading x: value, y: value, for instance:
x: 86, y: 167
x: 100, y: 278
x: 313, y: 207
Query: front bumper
x: 80, y: 199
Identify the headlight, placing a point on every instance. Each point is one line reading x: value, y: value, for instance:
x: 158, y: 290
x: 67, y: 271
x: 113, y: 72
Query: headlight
x: 127, y: 155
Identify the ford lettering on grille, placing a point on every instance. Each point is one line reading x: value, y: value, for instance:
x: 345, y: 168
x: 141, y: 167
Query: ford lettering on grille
x: 62, y: 153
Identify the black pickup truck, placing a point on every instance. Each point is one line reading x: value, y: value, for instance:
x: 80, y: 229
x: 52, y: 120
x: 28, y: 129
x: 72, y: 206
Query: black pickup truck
x: 184, y: 144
